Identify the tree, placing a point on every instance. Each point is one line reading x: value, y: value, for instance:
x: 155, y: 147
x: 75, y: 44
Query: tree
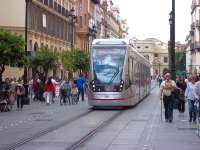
x: 42, y: 61
x: 74, y: 60
x: 11, y: 50
x: 180, y: 62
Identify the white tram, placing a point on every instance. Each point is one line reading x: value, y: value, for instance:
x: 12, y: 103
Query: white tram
x: 119, y: 75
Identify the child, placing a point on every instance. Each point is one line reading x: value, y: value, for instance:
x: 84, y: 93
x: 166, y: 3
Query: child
x: 74, y: 94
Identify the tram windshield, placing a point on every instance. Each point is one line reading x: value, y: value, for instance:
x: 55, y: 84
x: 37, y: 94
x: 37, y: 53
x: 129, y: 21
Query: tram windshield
x: 108, y: 65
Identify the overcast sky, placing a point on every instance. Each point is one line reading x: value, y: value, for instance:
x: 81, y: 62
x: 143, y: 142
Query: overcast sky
x: 150, y: 18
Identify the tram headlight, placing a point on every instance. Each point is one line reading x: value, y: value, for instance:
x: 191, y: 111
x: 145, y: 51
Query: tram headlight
x: 121, y: 82
x: 121, y: 86
x: 93, y: 86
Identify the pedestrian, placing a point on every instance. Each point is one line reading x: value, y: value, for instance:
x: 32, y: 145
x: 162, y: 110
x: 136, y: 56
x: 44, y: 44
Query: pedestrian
x: 166, y: 93
x: 30, y: 88
x: 74, y: 94
x: 65, y: 91
x: 190, y: 96
x: 80, y: 85
x: 181, y: 97
x: 20, y: 92
x: 197, y: 94
x: 35, y: 88
x: 49, y: 90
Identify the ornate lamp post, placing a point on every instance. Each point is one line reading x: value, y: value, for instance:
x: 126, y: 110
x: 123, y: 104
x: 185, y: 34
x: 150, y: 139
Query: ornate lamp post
x: 172, y: 65
x: 73, y: 21
x: 25, y: 77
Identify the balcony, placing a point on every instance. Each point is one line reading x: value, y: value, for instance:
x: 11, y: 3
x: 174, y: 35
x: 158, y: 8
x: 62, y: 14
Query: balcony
x: 46, y: 2
x: 59, y: 8
x: 96, y: 1
x: 197, y: 23
x: 195, y: 46
x: 195, y: 5
x: 193, y: 26
x: 63, y: 11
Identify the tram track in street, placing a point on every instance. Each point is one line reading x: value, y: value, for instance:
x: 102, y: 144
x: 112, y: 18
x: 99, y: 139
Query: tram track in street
x: 77, y: 143
x: 86, y: 137
x: 26, y: 140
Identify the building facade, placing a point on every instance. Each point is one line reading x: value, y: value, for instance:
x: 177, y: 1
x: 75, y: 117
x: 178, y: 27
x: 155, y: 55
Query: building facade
x: 124, y: 29
x: 155, y: 51
x: 48, y: 23
x: 193, y: 40
x: 87, y: 22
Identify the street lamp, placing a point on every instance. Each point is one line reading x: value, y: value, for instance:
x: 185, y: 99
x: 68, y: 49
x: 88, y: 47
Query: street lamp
x: 73, y: 21
x: 25, y: 80
x: 172, y: 65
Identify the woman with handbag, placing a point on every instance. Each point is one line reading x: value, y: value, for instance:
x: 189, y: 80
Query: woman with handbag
x: 20, y: 92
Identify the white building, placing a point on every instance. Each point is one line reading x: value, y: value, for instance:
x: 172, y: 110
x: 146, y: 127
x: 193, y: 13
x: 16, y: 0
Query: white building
x: 155, y: 51
x: 193, y: 55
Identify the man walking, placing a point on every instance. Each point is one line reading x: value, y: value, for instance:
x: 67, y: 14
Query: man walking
x: 166, y: 89
x: 80, y: 85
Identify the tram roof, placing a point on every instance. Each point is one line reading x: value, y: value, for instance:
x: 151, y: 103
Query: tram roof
x: 110, y: 42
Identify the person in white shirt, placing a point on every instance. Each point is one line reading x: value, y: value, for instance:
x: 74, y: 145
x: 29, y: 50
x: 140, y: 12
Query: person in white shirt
x: 166, y: 89
x: 197, y: 94
x: 190, y: 96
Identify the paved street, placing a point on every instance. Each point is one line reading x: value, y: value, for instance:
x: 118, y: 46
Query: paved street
x: 138, y: 128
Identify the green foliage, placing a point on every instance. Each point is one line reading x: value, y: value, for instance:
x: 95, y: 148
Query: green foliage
x: 75, y: 60
x: 11, y: 49
x: 180, y: 59
x: 45, y: 59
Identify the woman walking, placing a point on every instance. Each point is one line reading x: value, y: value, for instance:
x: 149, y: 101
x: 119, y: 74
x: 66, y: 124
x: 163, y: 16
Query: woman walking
x: 20, y: 92
x: 49, y: 90
x: 190, y: 96
x: 166, y: 93
x: 181, y: 100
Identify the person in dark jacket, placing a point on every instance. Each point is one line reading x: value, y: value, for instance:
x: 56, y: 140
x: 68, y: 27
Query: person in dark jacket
x: 80, y: 85
x: 181, y: 98
x: 20, y: 92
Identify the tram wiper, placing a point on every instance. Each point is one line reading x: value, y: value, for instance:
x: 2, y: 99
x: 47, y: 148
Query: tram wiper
x: 114, y: 76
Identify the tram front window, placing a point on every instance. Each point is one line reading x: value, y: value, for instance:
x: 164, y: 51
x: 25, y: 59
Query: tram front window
x: 108, y: 67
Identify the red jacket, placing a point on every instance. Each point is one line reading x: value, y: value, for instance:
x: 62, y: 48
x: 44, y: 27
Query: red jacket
x: 49, y: 88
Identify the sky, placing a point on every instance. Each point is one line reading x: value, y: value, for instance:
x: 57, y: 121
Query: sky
x: 150, y: 18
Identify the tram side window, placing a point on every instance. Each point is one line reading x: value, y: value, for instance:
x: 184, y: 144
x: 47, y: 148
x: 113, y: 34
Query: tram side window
x: 127, y: 76
x: 132, y: 77
x: 137, y: 73
x: 130, y: 70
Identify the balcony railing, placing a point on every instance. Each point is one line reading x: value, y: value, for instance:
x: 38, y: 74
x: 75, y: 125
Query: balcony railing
x: 197, y: 23
x: 194, y: 5
x: 195, y: 46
